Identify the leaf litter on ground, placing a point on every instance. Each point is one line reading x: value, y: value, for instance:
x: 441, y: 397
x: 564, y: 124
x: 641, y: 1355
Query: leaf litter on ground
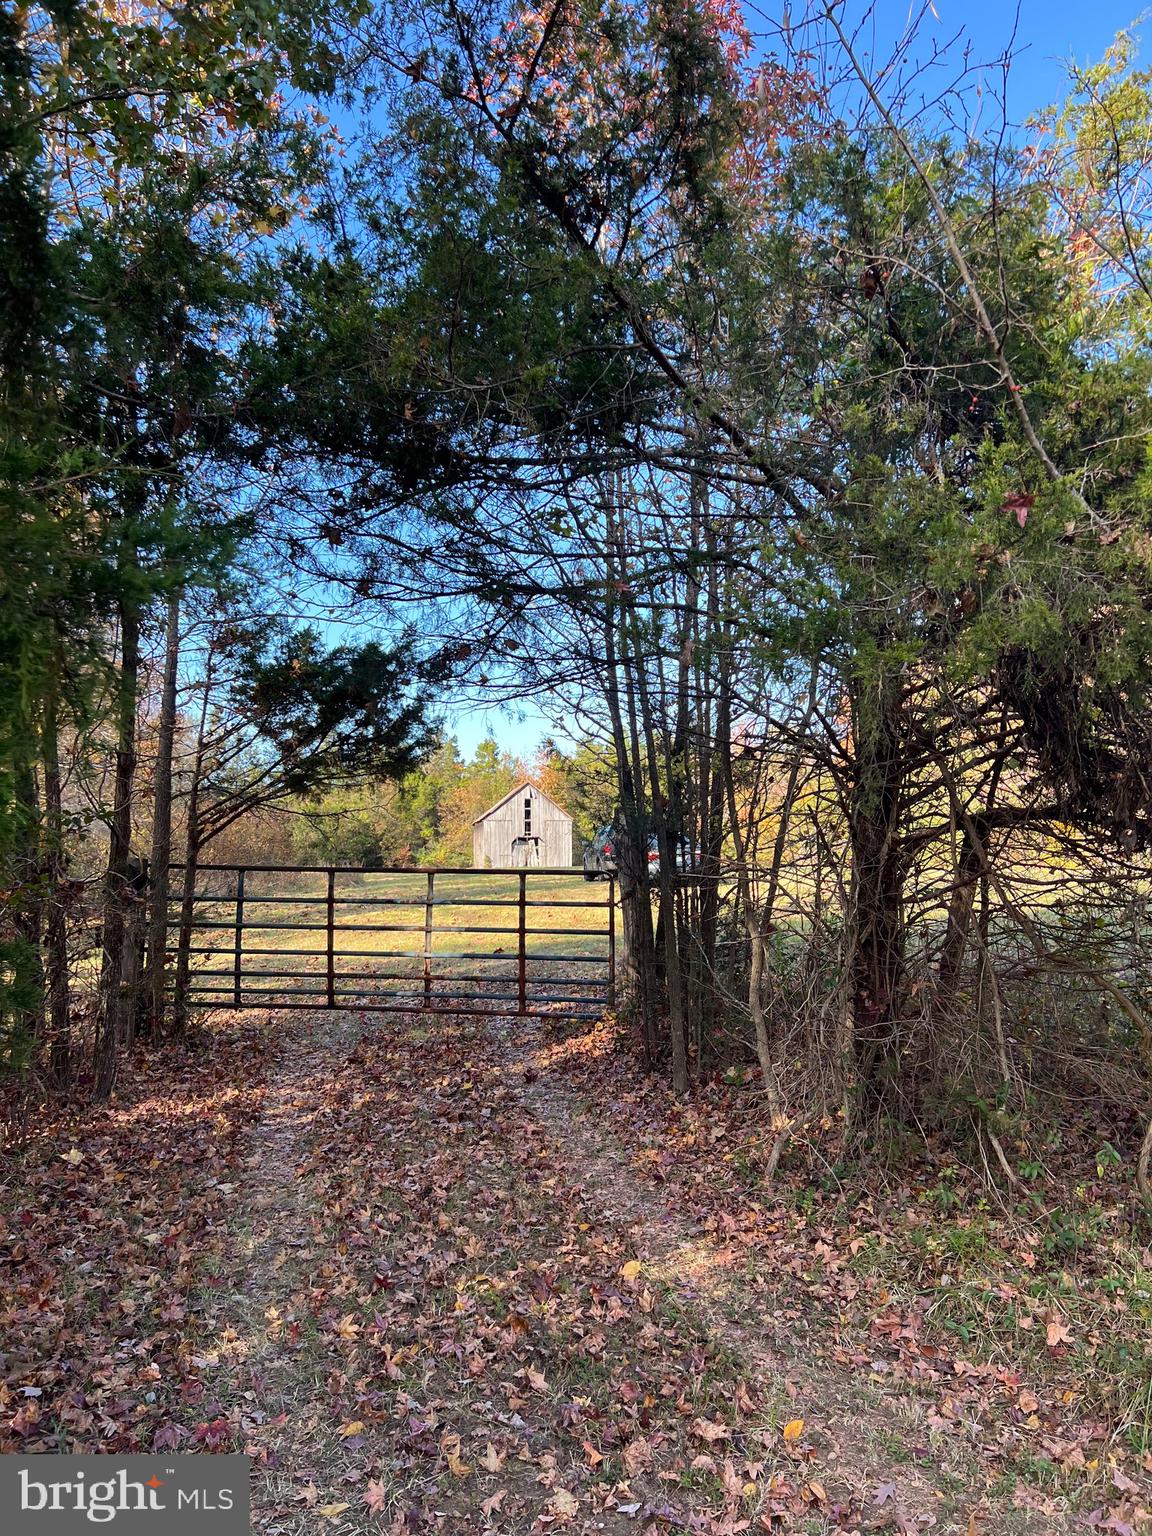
x: 430, y: 1285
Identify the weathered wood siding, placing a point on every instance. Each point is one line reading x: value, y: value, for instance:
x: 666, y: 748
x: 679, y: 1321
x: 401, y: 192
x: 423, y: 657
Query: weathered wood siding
x: 498, y: 838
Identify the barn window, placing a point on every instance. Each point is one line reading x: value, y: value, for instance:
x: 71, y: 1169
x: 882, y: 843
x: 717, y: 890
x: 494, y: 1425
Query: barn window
x: 527, y: 815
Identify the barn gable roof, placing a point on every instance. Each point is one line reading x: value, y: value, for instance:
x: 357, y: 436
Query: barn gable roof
x: 523, y: 784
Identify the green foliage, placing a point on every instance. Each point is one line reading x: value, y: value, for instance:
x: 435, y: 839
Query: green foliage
x: 425, y: 817
x: 583, y: 781
x: 340, y: 713
x: 1097, y: 156
x: 148, y: 163
x: 340, y: 833
x: 373, y: 824
x: 465, y: 792
x: 951, y: 567
x: 19, y: 996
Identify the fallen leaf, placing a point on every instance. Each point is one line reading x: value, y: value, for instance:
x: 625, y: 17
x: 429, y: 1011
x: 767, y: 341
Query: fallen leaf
x: 637, y: 1456
x: 709, y: 1430
x: 374, y: 1496
x: 793, y: 1430
x: 450, y: 1450
x: 733, y: 1484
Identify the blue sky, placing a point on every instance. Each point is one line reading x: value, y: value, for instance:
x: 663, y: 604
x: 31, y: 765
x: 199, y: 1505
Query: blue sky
x: 1047, y: 34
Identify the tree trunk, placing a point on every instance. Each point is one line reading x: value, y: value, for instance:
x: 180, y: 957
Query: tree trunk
x: 708, y: 832
x: 681, y: 785
x: 115, y: 1005
x: 637, y: 947
x: 56, y: 925
x: 151, y: 1016
x: 878, y: 972
x: 755, y: 929
x: 183, y: 975
x: 669, y: 924
x: 192, y: 844
x: 1143, y: 1165
x: 26, y: 900
x: 961, y: 907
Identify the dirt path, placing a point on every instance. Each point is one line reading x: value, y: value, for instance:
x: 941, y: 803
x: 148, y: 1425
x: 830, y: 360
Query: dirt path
x: 276, y: 1393
x: 454, y: 1307
x: 877, y: 1445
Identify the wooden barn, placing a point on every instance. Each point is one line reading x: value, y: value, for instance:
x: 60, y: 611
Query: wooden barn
x: 526, y: 827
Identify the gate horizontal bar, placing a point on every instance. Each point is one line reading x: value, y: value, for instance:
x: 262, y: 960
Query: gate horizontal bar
x: 230, y: 924
x: 441, y: 901
x: 443, y: 997
x: 416, y: 980
x: 460, y: 976
x: 227, y: 900
x: 316, y: 954
x: 445, y: 954
x: 342, y: 976
x: 227, y: 992
x: 562, y: 997
x: 564, y: 981
x: 448, y: 1013
x: 573, y: 959
x: 412, y: 871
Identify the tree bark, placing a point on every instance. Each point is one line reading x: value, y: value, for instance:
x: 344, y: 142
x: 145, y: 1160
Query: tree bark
x: 182, y: 978
x: 55, y: 864
x: 26, y: 899
x: 961, y: 906
x: 669, y: 915
x: 638, y: 951
x: 192, y: 844
x: 876, y: 905
x: 1143, y: 1165
x: 709, y: 830
x: 151, y: 1014
x: 115, y: 1006
x: 755, y: 929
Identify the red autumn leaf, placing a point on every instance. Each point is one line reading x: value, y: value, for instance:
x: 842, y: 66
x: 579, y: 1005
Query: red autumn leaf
x: 1021, y: 503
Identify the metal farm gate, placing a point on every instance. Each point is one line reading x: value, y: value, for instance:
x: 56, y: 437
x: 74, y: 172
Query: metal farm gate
x: 467, y: 941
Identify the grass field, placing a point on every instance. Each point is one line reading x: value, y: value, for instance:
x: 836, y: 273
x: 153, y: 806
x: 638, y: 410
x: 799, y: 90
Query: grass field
x: 379, y: 937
